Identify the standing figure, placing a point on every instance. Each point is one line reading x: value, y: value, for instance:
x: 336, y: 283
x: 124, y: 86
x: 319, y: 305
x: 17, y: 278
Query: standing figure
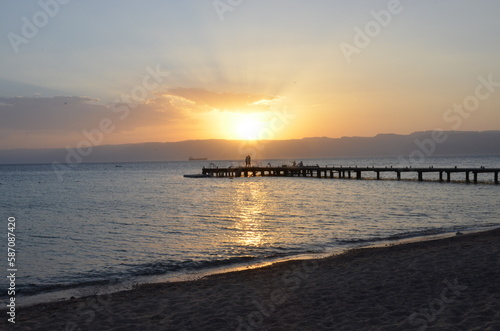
x: 248, y: 161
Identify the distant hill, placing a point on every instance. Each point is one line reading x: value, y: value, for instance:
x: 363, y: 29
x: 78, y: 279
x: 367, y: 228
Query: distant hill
x: 414, y: 145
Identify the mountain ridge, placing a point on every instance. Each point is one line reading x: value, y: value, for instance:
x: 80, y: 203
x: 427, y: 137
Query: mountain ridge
x: 416, y: 145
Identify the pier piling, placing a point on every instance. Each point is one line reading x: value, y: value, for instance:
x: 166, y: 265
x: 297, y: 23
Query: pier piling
x: 347, y: 172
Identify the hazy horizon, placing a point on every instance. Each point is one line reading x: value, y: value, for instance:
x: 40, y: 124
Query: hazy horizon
x: 165, y: 71
x: 409, y: 149
x: 255, y: 141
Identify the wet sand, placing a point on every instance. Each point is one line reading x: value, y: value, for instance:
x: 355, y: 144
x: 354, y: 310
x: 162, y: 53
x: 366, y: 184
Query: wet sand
x: 445, y: 284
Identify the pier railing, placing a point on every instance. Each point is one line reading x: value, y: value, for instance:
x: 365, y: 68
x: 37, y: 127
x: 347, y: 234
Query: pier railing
x: 443, y: 174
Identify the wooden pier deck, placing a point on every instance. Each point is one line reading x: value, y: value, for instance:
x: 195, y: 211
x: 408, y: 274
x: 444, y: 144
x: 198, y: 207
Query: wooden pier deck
x: 443, y: 174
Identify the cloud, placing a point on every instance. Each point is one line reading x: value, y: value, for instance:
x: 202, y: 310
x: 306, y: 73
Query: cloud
x: 56, y: 113
x: 69, y: 114
x: 204, y: 100
x: 58, y: 121
x: 75, y: 113
x: 61, y: 120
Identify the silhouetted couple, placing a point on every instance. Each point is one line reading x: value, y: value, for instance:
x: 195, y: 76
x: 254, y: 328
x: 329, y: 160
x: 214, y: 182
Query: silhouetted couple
x: 248, y: 161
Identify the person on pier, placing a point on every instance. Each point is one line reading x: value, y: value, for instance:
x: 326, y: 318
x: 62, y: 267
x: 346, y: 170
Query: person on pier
x: 248, y: 161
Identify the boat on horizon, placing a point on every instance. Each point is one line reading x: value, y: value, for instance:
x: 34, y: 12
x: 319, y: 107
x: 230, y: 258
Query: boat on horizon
x: 197, y: 176
x: 197, y: 158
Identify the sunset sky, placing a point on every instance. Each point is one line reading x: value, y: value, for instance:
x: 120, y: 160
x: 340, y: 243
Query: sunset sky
x: 140, y: 71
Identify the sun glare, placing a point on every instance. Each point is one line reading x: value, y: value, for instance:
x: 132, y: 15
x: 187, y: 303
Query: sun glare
x: 247, y: 126
x: 248, y: 129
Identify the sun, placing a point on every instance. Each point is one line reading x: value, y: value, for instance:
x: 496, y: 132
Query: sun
x: 240, y: 126
x: 248, y: 128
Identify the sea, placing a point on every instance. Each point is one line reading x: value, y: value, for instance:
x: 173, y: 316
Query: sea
x: 107, y: 227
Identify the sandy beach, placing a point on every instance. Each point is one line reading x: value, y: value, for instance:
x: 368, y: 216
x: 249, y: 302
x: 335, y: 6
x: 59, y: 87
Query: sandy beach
x: 445, y: 284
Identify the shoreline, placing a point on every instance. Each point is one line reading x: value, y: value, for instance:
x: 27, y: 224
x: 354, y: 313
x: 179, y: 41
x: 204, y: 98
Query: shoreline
x: 115, y: 285
x: 430, y: 283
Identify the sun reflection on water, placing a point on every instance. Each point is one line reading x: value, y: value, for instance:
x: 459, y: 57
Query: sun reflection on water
x: 249, y: 208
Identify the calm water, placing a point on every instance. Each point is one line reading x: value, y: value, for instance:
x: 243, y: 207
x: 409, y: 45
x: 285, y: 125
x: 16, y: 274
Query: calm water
x: 107, y: 223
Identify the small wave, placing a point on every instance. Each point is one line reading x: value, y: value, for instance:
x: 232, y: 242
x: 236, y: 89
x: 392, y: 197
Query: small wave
x: 127, y: 272
x: 400, y: 236
x: 44, y: 237
x: 130, y: 273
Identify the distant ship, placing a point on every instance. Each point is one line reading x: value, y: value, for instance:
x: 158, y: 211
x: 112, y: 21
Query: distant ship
x: 197, y: 158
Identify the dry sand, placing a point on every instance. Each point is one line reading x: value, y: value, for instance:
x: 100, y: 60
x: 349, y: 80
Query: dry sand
x: 446, y: 284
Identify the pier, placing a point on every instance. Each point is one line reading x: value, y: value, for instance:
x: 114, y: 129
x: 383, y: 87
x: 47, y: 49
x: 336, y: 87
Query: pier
x: 443, y: 174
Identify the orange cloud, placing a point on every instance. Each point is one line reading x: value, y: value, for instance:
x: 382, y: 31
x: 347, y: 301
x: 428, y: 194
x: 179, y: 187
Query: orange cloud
x: 204, y: 100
